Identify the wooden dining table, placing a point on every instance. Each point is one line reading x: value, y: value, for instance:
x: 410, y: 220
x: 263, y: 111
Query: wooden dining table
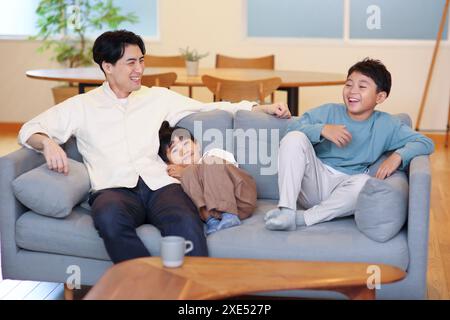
x: 291, y: 81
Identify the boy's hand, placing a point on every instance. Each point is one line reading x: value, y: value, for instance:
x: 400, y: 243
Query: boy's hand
x: 389, y: 166
x: 338, y: 134
x: 279, y: 110
x: 176, y: 170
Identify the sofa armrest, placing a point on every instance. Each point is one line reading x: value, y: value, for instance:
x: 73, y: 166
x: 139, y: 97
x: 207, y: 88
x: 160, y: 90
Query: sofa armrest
x: 12, y: 166
x: 419, y: 217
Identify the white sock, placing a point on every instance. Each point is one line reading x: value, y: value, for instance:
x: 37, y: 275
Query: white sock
x: 272, y: 214
x: 285, y: 221
x: 300, y: 218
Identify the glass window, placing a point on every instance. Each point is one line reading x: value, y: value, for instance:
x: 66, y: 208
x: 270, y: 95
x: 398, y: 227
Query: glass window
x: 295, y: 18
x: 18, y: 17
x: 396, y: 19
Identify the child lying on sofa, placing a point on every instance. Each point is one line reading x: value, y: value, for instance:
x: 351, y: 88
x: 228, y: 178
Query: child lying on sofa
x: 324, y: 157
x: 223, y: 193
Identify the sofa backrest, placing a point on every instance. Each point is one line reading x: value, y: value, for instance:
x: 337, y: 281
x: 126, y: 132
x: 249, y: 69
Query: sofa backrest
x: 256, y: 140
x: 212, y: 129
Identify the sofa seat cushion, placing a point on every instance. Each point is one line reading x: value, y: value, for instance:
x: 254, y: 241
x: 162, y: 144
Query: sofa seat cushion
x: 74, y: 236
x: 337, y: 240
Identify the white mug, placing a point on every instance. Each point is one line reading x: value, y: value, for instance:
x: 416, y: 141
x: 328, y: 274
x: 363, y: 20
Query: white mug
x: 173, y: 249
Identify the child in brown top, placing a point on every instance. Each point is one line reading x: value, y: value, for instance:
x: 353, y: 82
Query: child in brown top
x: 223, y: 193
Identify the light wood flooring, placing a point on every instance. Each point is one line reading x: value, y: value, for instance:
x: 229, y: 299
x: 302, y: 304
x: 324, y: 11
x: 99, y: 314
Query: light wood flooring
x: 438, y: 281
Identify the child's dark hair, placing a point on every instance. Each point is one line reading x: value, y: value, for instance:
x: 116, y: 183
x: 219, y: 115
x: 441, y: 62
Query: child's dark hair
x: 110, y: 46
x: 375, y: 70
x: 166, y: 133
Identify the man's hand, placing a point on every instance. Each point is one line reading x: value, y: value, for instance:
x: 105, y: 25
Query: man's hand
x: 279, y: 110
x: 338, y: 134
x: 55, y: 156
x: 389, y: 166
x: 176, y: 170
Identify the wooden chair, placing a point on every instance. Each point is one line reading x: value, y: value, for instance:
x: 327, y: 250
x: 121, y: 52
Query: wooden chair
x: 237, y: 90
x: 267, y: 62
x: 159, y: 80
x: 164, y: 61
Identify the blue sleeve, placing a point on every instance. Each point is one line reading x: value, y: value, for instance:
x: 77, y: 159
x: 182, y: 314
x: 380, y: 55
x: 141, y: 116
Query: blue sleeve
x: 311, y: 124
x: 409, y: 143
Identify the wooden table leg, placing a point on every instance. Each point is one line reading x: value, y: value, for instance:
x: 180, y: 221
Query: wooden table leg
x: 82, y: 86
x: 357, y: 292
x: 292, y: 100
x: 68, y: 293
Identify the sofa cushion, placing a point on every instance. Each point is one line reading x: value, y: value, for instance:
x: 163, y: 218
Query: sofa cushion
x: 51, y: 193
x: 382, y: 207
x: 337, y: 240
x: 257, y: 137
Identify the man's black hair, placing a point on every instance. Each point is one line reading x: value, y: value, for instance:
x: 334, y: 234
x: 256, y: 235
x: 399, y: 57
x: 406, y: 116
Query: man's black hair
x: 166, y: 138
x: 110, y: 46
x: 376, y: 71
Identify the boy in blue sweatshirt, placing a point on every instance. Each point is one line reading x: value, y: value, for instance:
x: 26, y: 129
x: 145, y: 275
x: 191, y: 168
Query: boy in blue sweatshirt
x: 325, y: 155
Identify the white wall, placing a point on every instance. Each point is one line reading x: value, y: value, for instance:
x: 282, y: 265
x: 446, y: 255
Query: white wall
x: 218, y: 26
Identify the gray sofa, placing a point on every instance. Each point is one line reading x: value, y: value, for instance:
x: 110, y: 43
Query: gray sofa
x: 35, y: 247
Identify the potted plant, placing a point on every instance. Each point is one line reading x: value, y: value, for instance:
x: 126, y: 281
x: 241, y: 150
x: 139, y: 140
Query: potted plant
x: 64, y: 25
x: 192, y: 58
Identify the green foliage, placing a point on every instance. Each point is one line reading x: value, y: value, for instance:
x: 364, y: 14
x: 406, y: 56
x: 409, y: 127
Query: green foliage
x: 63, y: 25
x: 192, y: 55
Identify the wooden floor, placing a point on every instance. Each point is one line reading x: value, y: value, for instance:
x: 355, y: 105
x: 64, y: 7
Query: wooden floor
x: 438, y: 278
x: 438, y: 282
x: 30, y: 290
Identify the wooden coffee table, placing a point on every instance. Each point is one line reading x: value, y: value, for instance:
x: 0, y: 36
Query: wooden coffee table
x: 219, y: 278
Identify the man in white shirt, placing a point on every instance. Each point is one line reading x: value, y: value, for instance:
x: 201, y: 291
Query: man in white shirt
x: 116, y: 127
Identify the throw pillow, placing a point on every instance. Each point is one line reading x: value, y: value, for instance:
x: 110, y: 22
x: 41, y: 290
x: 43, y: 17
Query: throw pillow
x: 382, y: 207
x: 51, y: 193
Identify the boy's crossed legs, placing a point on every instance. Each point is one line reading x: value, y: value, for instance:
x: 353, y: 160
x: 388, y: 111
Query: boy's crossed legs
x: 303, y: 178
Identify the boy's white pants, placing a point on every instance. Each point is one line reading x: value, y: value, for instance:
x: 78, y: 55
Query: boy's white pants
x: 303, y: 178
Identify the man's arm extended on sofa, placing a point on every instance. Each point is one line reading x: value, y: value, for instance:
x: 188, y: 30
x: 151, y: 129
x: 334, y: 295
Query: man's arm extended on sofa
x: 419, y: 216
x: 12, y: 166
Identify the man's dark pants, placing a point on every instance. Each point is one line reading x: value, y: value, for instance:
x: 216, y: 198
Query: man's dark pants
x: 117, y: 212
